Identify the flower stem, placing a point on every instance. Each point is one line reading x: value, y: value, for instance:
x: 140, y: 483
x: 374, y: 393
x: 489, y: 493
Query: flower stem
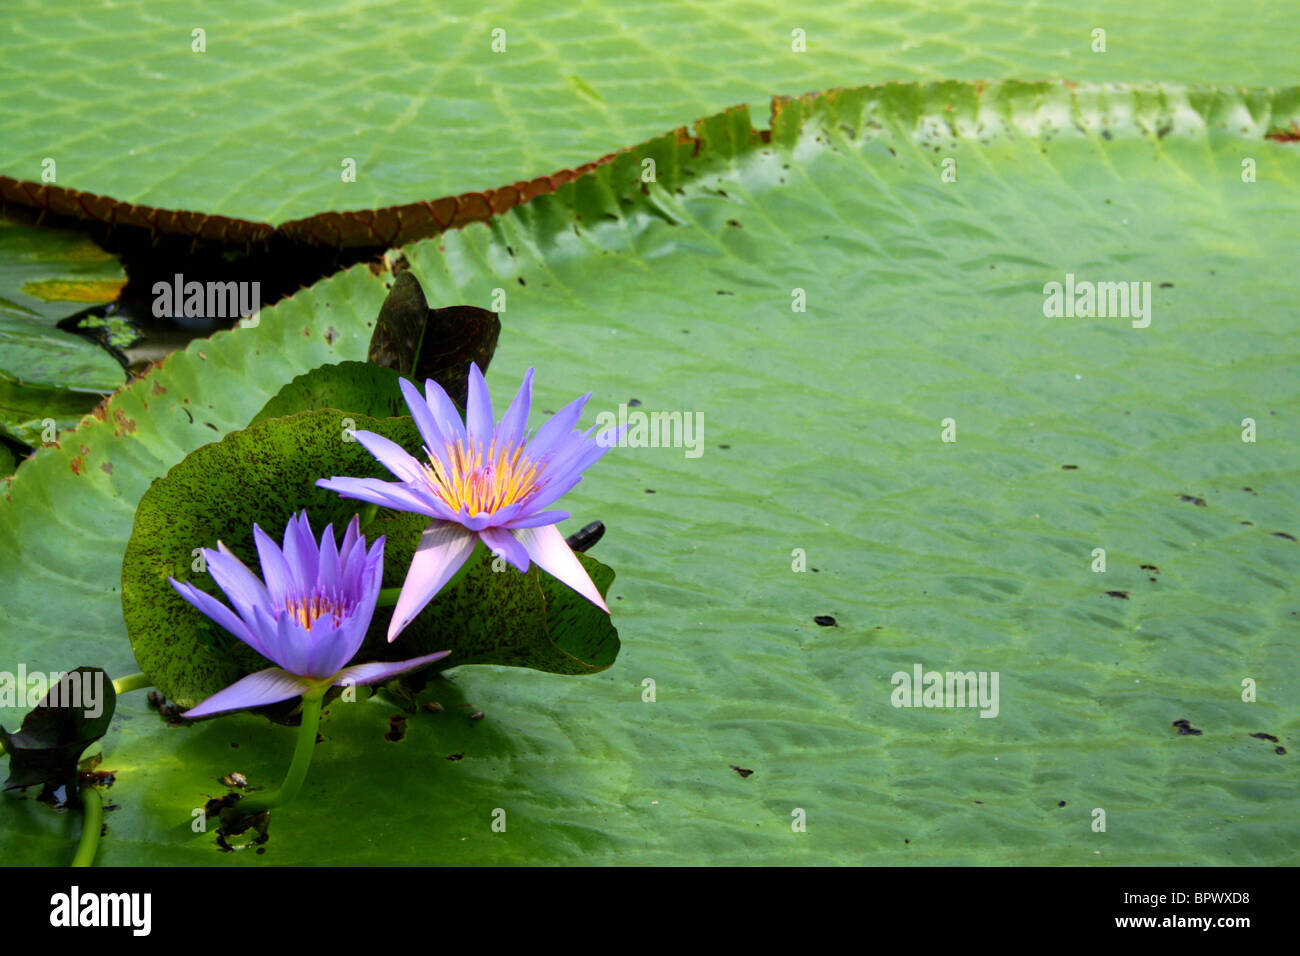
x: 366, y: 516
x: 302, y: 753
x: 131, y: 682
x: 93, y: 820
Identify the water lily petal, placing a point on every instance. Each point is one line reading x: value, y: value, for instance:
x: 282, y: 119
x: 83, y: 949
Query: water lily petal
x: 325, y: 647
x: 369, y: 579
x: 391, y: 455
x: 474, y: 522
x: 361, y: 575
x: 553, y: 490
x: 504, y: 543
x: 275, y: 570
x: 300, y: 550
x: 444, y: 547
x: 274, y: 647
x: 350, y: 538
x: 577, y: 456
x: 503, y: 516
x: 245, y: 590
x: 219, y: 613
x: 300, y: 650
x: 328, y: 566
x: 559, y: 427
x: 382, y: 670
x: 513, y: 422
x: 386, y: 493
x: 478, y: 408
x: 256, y: 690
x: 444, y: 411
x: 547, y: 547
x: 426, y: 422
x: 537, y: 520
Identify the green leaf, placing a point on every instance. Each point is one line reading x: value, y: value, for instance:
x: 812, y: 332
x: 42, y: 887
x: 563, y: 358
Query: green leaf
x: 924, y: 301
x: 48, y: 274
x: 113, y: 330
x: 45, y: 372
x: 264, y: 475
x: 27, y: 412
x: 430, y: 131
x: 49, y: 358
x: 349, y: 386
x: 75, y: 711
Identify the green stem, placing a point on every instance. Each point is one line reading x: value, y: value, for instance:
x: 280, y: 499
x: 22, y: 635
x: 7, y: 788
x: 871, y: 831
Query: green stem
x: 131, y: 682
x: 366, y: 516
x: 93, y: 820
x: 311, y: 704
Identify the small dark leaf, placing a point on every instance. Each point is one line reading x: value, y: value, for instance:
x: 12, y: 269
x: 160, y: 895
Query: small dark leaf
x: 420, y: 343
x: 70, y: 717
x: 400, y: 326
x: 456, y: 336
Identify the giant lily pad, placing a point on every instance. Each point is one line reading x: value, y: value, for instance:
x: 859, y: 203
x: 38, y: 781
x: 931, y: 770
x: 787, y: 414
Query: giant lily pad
x: 823, y: 488
x: 441, y: 119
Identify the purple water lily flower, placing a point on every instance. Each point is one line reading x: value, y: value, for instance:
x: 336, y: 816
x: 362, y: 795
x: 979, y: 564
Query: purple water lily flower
x: 481, y: 482
x: 309, y: 616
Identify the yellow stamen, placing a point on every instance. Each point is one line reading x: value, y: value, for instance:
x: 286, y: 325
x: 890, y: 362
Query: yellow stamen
x: 482, y: 484
x: 306, y: 611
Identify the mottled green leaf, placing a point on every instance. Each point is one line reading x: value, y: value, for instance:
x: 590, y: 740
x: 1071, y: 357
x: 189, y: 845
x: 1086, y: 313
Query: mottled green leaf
x: 349, y: 386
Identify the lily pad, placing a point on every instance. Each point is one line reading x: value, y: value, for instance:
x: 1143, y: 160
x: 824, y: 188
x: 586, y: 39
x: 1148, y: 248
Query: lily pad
x: 823, y: 487
x: 46, y: 373
x: 48, y: 274
x: 435, y: 120
x: 355, y: 386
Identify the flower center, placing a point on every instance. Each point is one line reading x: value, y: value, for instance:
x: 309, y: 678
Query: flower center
x: 481, y: 483
x: 307, y: 610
